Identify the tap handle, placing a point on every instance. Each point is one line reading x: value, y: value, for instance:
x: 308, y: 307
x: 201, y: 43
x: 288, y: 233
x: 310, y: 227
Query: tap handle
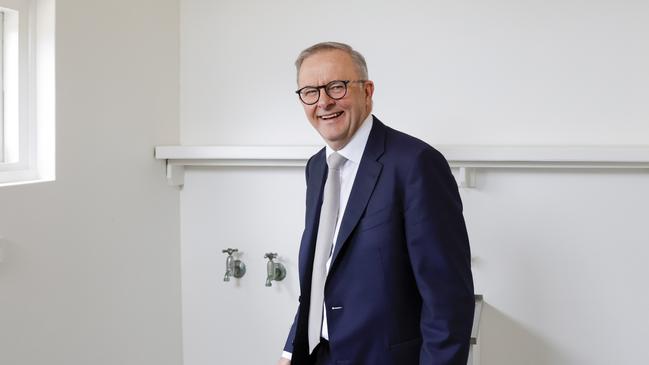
x: 230, y: 251
x: 270, y: 255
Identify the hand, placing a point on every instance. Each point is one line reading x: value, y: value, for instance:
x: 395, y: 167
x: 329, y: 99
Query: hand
x: 283, y: 361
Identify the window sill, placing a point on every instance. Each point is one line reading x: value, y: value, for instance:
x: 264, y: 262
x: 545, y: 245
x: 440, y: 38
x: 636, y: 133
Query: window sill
x: 15, y: 174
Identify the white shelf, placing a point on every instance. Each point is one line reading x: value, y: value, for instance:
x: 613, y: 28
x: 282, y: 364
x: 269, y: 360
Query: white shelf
x: 464, y: 159
x: 236, y: 155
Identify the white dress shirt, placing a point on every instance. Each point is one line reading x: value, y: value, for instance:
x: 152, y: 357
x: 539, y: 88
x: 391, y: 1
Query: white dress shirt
x: 353, y: 152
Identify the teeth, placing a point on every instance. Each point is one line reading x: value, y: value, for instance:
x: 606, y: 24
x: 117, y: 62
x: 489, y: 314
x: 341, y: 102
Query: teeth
x: 331, y: 116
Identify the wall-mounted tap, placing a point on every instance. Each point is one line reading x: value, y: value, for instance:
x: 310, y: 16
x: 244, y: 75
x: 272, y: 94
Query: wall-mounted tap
x: 233, y: 267
x: 275, y: 270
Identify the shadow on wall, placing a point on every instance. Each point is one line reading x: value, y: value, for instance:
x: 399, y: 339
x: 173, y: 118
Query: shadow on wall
x: 506, y: 342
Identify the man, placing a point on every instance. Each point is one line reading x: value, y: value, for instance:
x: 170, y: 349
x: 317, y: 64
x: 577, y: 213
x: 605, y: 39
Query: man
x: 384, y: 261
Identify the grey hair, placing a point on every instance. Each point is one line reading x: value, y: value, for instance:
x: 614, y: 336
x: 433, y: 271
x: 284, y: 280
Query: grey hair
x: 357, y: 58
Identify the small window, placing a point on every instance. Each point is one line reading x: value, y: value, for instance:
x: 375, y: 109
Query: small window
x: 2, y: 97
x: 27, y: 97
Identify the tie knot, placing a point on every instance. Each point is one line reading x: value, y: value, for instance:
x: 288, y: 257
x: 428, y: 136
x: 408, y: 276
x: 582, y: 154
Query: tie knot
x: 335, y: 161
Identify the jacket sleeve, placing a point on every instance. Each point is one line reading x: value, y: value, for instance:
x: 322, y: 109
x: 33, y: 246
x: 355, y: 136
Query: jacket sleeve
x: 288, y: 347
x: 438, y: 248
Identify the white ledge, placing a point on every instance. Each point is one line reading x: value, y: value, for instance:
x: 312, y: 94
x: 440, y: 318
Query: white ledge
x: 465, y: 159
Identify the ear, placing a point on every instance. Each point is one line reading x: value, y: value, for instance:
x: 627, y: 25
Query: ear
x: 368, y: 87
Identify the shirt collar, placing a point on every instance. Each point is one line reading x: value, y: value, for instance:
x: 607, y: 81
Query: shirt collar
x: 353, y: 151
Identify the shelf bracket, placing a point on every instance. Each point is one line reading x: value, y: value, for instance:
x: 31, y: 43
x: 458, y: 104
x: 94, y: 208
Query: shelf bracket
x: 466, y: 177
x: 175, y: 174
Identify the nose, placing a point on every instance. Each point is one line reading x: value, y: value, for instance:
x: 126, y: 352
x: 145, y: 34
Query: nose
x: 325, y: 100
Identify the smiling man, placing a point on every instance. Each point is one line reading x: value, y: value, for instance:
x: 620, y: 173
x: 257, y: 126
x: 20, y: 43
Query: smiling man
x: 384, y: 263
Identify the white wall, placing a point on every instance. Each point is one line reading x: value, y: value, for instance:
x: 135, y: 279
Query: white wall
x: 257, y: 211
x: 559, y: 253
x: 451, y: 72
x: 561, y: 259
x: 91, y: 268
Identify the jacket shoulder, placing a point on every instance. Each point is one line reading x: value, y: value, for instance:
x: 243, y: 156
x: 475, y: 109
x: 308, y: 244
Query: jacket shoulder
x: 408, y: 148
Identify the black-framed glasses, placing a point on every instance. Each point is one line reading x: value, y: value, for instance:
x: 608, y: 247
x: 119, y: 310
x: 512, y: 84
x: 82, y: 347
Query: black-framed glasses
x: 336, y: 90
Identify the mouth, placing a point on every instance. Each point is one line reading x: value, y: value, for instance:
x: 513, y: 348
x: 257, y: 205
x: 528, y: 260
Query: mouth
x: 330, y: 116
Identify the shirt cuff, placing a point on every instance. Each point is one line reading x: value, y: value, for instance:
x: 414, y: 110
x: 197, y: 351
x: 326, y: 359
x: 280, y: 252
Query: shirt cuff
x: 287, y: 355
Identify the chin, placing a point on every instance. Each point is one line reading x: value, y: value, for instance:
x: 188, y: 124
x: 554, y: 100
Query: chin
x: 337, y: 136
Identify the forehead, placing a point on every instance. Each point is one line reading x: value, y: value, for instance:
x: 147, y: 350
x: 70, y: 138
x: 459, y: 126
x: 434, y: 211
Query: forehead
x: 325, y: 66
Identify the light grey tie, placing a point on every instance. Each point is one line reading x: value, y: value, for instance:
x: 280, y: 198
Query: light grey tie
x: 324, y: 243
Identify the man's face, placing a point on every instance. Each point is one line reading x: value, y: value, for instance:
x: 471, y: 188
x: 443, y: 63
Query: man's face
x: 335, y: 120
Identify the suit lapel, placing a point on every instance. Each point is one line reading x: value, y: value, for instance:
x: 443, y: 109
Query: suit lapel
x: 366, y: 177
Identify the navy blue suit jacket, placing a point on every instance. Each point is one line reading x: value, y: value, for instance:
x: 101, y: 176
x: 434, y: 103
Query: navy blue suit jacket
x: 399, y: 289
